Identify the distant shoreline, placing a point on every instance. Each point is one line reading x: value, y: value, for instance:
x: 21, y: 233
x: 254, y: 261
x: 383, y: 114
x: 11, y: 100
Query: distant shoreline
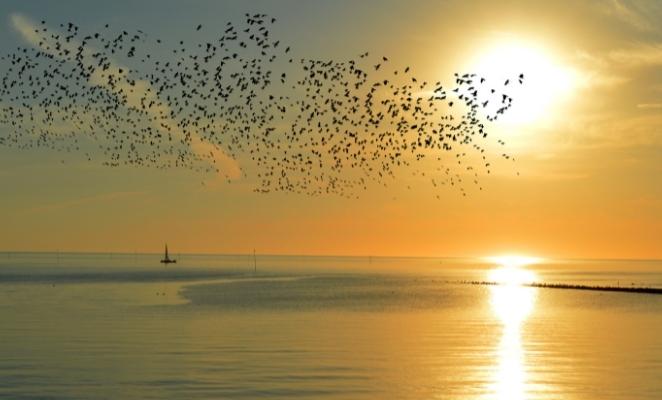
x: 630, y: 289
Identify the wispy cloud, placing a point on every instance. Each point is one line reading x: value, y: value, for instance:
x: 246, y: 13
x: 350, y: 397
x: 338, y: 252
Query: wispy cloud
x: 643, y: 54
x: 627, y: 14
x: 135, y: 92
x: 617, y: 67
x: 595, y: 71
x: 638, y: 14
x: 638, y: 131
x: 649, y: 105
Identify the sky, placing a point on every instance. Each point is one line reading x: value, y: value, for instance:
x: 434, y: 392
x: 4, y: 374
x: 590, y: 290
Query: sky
x: 586, y: 137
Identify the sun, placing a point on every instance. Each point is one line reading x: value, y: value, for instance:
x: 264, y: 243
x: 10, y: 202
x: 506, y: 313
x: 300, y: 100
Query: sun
x: 513, y: 260
x: 510, y: 269
x: 546, y: 81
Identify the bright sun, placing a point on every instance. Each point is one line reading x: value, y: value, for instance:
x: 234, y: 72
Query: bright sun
x: 511, y: 271
x: 545, y: 81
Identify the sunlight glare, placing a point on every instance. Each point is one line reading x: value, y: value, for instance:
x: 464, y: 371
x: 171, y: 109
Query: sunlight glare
x: 511, y: 303
x: 545, y: 80
x: 513, y: 260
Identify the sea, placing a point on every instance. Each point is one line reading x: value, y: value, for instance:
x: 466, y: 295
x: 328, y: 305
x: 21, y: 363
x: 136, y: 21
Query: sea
x: 124, y: 326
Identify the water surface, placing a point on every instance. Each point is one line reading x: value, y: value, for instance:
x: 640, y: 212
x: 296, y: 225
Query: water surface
x: 123, y: 326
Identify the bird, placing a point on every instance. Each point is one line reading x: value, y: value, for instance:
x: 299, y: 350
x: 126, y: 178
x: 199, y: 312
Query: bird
x: 313, y: 127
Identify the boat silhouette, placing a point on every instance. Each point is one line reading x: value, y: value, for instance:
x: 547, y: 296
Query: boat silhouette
x: 166, y: 259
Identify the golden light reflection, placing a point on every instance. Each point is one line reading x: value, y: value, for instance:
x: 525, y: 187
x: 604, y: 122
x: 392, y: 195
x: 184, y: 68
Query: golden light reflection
x: 511, y: 303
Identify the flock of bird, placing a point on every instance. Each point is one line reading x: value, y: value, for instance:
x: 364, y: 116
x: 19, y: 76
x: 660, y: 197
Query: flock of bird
x: 243, y: 100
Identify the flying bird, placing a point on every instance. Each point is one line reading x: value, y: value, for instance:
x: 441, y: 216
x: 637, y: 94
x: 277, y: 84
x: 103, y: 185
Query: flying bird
x: 316, y: 127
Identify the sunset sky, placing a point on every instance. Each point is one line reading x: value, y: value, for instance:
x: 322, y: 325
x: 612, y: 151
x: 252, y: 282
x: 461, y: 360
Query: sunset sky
x: 586, y: 133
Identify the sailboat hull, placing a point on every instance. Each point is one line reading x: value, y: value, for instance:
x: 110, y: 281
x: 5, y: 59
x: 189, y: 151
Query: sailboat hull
x: 166, y: 259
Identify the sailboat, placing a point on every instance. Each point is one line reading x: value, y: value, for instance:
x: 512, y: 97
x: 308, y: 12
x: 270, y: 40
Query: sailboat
x: 166, y: 259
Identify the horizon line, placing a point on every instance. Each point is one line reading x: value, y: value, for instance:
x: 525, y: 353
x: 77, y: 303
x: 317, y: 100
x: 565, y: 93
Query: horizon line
x: 250, y: 253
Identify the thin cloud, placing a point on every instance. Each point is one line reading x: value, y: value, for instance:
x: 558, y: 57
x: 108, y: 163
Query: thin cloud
x: 634, y: 13
x: 638, y: 55
x: 595, y: 71
x: 649, y: 105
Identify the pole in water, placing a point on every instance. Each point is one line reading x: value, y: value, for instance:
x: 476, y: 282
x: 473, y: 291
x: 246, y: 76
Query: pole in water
x: 254, y: 262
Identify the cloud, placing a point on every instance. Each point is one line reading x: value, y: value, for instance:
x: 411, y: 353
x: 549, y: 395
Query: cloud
x: 595, y: 71
x: 649, y: 105
x: 643, y: 54
x: 597, y: 78
x: 25, y: 27
x: 635, y: 13
x: 627, y: 14
x: 616, y: 67
x: 134, y: 93
x: 634, y: 131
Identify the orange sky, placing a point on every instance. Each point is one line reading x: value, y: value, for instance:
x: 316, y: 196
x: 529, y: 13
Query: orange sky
x: 587, y: 143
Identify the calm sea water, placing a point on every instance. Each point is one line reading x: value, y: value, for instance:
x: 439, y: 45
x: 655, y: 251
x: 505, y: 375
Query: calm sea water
x: 126, y: 327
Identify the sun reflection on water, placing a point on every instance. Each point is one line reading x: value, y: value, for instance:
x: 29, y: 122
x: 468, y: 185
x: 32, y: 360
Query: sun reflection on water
x: 511, y: 303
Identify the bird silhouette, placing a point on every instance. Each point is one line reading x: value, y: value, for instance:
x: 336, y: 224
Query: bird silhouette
x: 299, y: 125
